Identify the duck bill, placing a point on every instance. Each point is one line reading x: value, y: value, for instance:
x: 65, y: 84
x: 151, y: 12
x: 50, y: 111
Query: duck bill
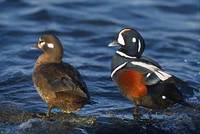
x: 113, y: 44
x: 35, y: 47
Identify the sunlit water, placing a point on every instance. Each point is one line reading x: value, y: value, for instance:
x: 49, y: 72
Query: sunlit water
x: 172, y: 34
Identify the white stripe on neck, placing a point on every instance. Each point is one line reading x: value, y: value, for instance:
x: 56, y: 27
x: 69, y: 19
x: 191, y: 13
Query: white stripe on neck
x: 117, y: 68
x: 124, y: 55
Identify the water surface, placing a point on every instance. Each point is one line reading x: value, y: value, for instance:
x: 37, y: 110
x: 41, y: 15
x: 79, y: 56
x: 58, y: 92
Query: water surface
x: 172, y: 34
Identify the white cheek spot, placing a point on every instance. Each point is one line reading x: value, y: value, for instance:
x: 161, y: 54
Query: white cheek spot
x: 50, y: 45
x: 134, y: 40
x: 41, y: 44
x: 120, y: 39
x: 164, y: 97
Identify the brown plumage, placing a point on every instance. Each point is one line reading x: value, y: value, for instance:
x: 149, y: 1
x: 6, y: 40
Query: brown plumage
x: 59, y: 84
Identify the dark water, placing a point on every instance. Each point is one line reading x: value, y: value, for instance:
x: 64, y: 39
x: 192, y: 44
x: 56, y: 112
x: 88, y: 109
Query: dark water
x: 172, y: 34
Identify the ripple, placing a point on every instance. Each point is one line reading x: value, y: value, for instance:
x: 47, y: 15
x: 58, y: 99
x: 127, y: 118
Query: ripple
x: 98, y: 22
x: 171, y: 32
x: 186, y: 9
x: 14, y: 79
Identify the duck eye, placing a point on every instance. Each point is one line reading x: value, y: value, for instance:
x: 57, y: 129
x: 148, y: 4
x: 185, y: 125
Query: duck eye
x: 134, y: 40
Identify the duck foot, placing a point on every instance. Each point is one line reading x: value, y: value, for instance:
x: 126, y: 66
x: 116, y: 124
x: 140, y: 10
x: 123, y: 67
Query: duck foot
x: 44, y: 115
x: 40, y: 115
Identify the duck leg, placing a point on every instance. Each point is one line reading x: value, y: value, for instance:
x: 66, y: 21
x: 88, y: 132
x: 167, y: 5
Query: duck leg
x: 43, y: 115
x: 150, y: 114
x: 136, y: 113
x: 48, y: 115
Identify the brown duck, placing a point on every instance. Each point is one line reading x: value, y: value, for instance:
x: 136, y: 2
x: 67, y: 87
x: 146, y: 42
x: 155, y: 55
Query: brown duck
x: 59, y: 84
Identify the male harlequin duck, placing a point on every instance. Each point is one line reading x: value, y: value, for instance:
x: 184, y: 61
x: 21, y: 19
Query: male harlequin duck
x: 141, y: 79
x: 59, y: 84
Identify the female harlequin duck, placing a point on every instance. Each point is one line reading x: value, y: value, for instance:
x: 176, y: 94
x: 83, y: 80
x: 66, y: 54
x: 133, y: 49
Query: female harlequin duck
x: 59, y: 84
x: 140, y: 79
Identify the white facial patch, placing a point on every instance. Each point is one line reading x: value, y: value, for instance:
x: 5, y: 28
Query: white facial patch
x: 50, y: 45
x: 120, y: 39
x: 41, y: 44
x: 134, y: 39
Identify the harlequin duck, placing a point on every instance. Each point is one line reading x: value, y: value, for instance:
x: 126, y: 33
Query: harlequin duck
x: 141, y: 79
x: 59, y: 84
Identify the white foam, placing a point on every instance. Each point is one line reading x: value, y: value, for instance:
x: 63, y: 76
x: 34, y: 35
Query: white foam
x: 28, y: 124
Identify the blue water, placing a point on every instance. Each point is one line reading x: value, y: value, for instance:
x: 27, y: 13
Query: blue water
x: 171, y: 30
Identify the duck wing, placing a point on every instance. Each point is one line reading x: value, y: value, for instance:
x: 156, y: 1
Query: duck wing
x: 152, y: 71
x: 61, y: 78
